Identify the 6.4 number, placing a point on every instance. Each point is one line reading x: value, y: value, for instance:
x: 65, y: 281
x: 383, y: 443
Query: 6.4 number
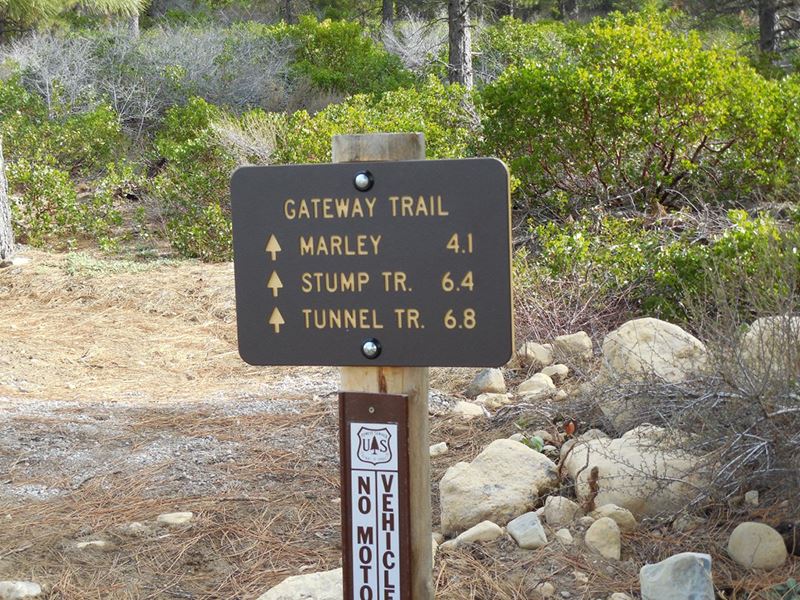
x: 448, y: 285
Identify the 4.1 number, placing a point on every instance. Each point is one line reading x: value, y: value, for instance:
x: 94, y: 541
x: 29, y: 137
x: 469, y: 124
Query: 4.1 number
x: 460, y: 246
x: 448, y: 285
x: 468, y: 319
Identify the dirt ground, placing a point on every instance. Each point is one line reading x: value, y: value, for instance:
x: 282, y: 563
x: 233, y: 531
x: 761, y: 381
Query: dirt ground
x: 122, y: 397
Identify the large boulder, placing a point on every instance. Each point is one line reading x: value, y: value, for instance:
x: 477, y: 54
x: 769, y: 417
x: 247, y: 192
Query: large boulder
x: 640, y: 471
x: 757, y: 546
x: 326, y: 585
x: 502, y: 482
x: 650, y: 349
x: 682, y: 576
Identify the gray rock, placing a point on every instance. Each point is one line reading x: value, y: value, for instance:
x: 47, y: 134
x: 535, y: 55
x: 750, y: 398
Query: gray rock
x: 546, y: 589
x: 531, y: 354
x: 573, y: 346
x: 619, y: 596
x: 468, y: 410
x: 487, y: 381
x: 556, y: 372
x: 176, y: 518
x: 622, y: 516
x: 560, y: 511
x: 539, y: 384
x: 751, y: 498
x: 326, y: 585
x: 527, y: 531
x: 438, y: 449
x: 685, y: 576
x: 18, y: 590
x: 757, y: 546
x: 564, y: 536
x: 493, y: 400
x: 485, y: 531
x: 603, y: 536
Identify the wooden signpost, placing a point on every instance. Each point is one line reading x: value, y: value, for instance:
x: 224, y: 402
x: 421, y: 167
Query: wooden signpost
x: 384, y: 264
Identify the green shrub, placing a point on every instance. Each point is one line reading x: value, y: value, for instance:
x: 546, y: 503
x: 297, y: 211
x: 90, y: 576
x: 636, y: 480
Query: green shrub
x: 339, y: 56
x: 630, y: 113
x: 194, y: 183
x: 440, y: 112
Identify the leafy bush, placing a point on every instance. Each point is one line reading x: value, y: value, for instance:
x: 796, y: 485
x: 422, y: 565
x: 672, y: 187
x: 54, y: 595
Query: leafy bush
x: 338, y: 56
x: 439, y: 111
x: 630, y: 113
x: 193, y: 185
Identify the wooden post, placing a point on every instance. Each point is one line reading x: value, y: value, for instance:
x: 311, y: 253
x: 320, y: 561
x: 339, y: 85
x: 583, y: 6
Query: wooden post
x: 410, y: 381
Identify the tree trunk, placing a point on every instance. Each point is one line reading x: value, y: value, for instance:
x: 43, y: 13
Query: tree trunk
x: 133, y: 26
x: 460, y: 38
x: 767, y: 19
x: 288, y: 14
x: 387, y: 13
x: 6, y: 232
x: 569, y: 9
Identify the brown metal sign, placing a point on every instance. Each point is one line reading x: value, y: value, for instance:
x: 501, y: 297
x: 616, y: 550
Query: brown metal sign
x: 378, y: 263
x: 373, y: 434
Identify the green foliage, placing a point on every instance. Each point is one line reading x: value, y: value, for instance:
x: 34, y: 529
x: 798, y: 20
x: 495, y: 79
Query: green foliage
x: 440, y: 112
x: 339, y: 56
x: 193, y: 185
x: 26, y: 13
x: 786, y: 591
x: 629, y: 112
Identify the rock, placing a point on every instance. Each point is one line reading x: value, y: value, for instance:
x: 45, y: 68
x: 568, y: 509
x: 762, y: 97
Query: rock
x: 682, y: 576
x: 560, y: 395
x: 618, y: 596
x: 556, y: 372
x: 751, y: 498
x: 686, y: 522
x: 487, y: 381
x: 438, y: 537
x: 763, y: 347
x: 527, y: 531
x: 546, y: 436
x: 95, y: 545
x: 517, y: 437
x: 434, y: 546
x: 545, y: 589
x: 637, y: 471
x: 564, y: 536
x: 757, y: 546
x: 135, y: 529
x: 551, y: 452
x: 176, y: 518
x: 503, y: 481
x: 585, y: 522
x: 560, y: 511
x: 650, y: 349
x: 493, y: 400
x: 326, y: 585
x: 438, y: 449
x: 573, y: 346
x: 540, y: 385
x: 468, y: 410
x: 603, y: 536
x: 485, y: 531
x: 531, y: 354
x: 621, y: 516
x: 580, y: 576
x: 17, y: 590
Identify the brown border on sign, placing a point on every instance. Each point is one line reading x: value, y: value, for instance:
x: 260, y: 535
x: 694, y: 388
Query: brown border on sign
x: 388, y: 408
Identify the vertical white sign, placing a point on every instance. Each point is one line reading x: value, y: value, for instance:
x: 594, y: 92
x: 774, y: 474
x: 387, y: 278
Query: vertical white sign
x: 375, y: 513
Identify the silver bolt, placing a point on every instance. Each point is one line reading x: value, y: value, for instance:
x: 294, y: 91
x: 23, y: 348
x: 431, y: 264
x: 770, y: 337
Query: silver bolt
x: 371, y: 409
x: 363, y: 181
x: 370, y: 349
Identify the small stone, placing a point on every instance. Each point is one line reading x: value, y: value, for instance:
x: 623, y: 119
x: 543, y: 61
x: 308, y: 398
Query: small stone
x: 622, y: 516
x: 176, y: 518
x: 547, y: 436
x: 580, y: 576
x: 487, y: 381
x: 557, y: 372
x: 546, y: 589
x: 685, y: 522
x: 438, y: 537
x: 564, y: 536
x: 517, y: 437
x: 539, y: 384
x: 485, y: 531
x: 751, y: 498
x: 95, y: 545
x: 560, y: 511
x: 603, y: 536
x: 527, y: 531
x: 575, y: 345
x: 531, y: 354
x: 493, y: 400
x: 468, y: 410
x: 585, y: 522
x: 438, y: 449
x: 565, y: 594
x: 134, y: 529
x: 685, y: 575
x: 757, y: 546
x: 560, y: 395
x: 326, y: 585
x: 551, y: 452
x: 18, y: 590
x: 619, y: 596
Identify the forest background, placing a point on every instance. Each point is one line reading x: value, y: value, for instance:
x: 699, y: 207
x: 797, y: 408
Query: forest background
x: 654, y: 146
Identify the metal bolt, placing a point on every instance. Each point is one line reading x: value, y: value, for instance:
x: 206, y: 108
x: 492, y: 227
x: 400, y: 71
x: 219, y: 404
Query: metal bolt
x: 371, y: 409
x: 363, y: 181
x: 371, y: 348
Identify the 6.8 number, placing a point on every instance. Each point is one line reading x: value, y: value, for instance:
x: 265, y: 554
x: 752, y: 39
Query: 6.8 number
x: 468, y: 319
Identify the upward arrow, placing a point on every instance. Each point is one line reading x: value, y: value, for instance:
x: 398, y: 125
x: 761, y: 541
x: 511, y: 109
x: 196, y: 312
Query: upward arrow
x: 274, y: 284
x: 276, y: 320
x: 273, y: 247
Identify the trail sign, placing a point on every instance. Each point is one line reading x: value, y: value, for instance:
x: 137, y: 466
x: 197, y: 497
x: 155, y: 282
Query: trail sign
x: 374, y: 263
